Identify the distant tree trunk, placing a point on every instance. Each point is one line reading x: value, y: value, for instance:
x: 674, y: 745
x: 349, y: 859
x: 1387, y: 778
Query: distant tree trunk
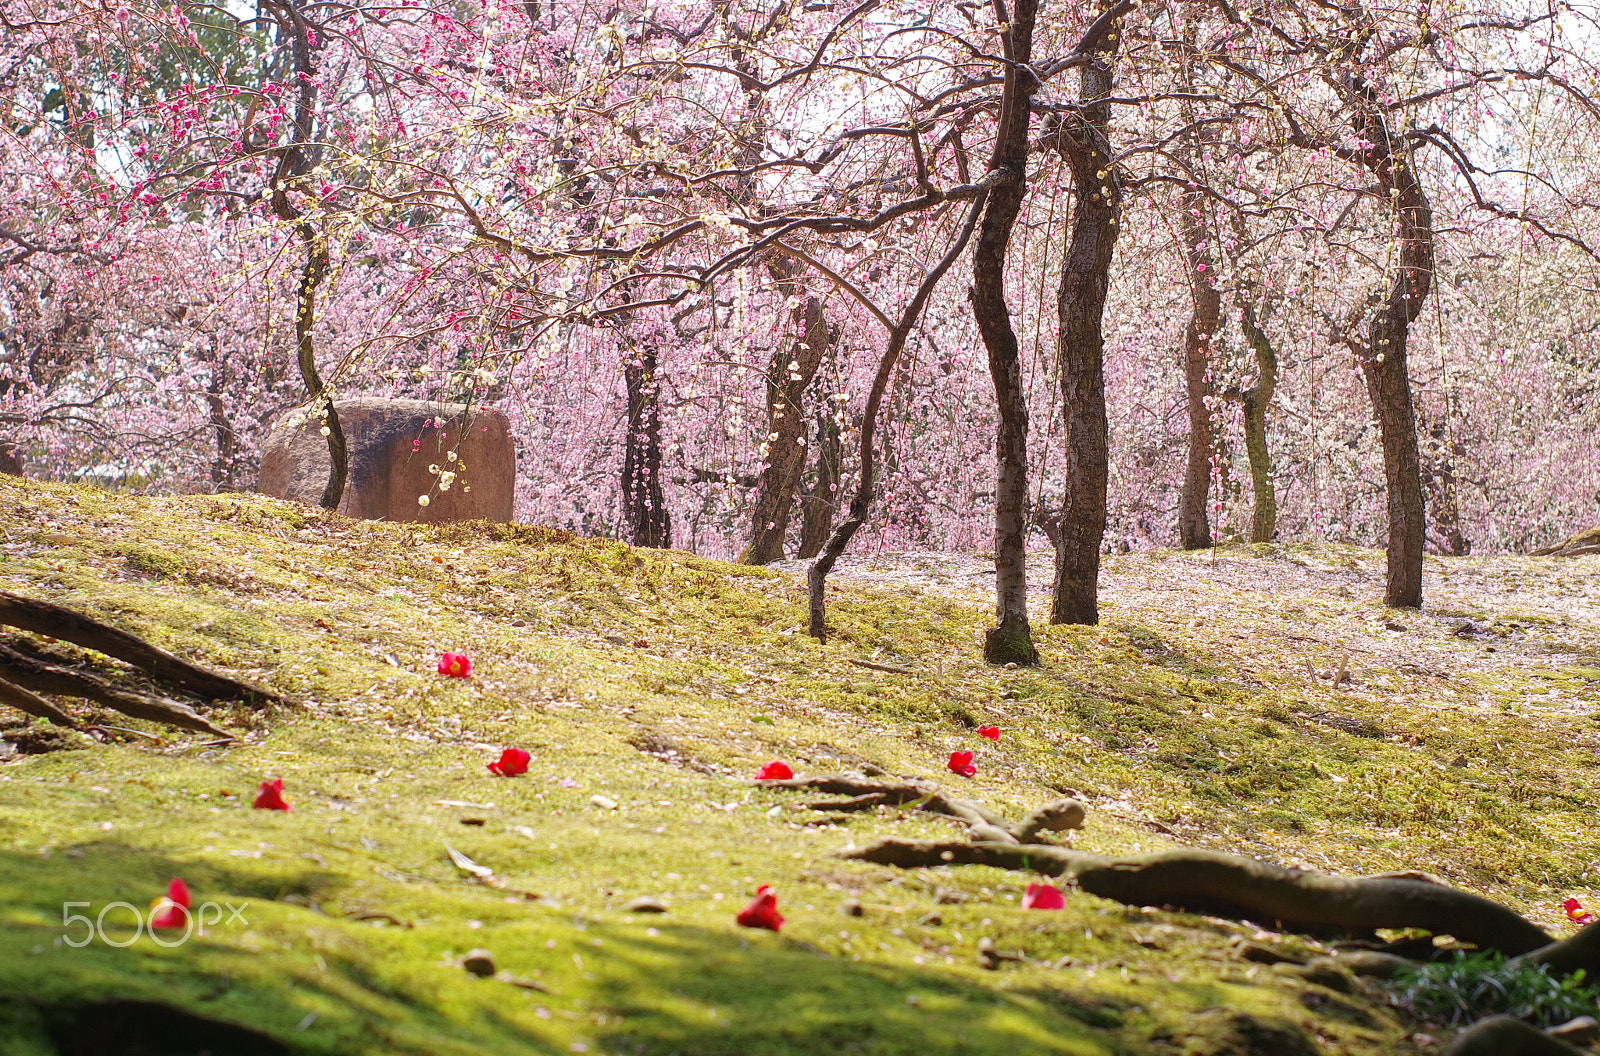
x: 1256, y: 400
x: 861, y: 501
x: 295, y: 160
x: 1080, y: 306
x: 11, y: 462
x: 225, y: 464
x: 1380, y: 341
x: 793, y: 367
x: 1439, y: 456
x: 644, y: 508
x: 316, y: 267
x: 1011, y: 641
x: 1194, y: 526
x: 822, y: 500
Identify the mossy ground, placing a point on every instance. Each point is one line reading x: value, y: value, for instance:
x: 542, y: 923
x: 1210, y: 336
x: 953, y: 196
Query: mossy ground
x: 659, y: 682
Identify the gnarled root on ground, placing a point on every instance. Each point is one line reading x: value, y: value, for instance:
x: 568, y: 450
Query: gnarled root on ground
x: 1507, y: 1036
x: 21, y: 674
x: 983, y: 824
x: 43, y: 617
x: 1202, y: 881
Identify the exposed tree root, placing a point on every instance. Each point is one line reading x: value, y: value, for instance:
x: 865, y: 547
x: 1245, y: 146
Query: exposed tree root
x: 983, y: 824
x: 32, y: 704
x: 1232, y: 885
x: 26, y: 673
x: 1587, y: 542
x: 42, y: 617
x: 1507, y: 1036
x: 1198, y: 880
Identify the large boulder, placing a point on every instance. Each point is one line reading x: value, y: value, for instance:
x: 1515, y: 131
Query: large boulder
x: 400, y: 451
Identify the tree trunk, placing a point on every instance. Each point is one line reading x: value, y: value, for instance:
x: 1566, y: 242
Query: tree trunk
x: 1380, y: 346
x: 644, y: 508
x: 822, y: 499
x: 1390, y: 388
x: 1011, y: 640
x: 316, y: 267
x: 1439, y: 484
x: 225, y: 464
x: 1194, y: 526
x: 791, y: 373
x: 861, y: 502
x: 1080, y: 305
x: 296, y: 158
x: 1256, y: 400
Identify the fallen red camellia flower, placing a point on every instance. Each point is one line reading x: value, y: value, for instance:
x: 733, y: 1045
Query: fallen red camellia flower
x: 1043, y: 896
x: 961, y: 763
x: 776, y: 770
x: 1576, y: 912
x: 991, y: 733
x: 172, y: 911
x: 455, y: 665
x: 270, y: 797
x: 512, y: 761
x: 762, y: 912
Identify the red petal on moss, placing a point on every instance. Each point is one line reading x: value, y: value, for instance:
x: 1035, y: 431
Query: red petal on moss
x: 172, y: 911
x: 961, y: 763
x: 1043, y: 896
x: 512, y: 761
x: 777, y: 770
x: 762, y: 912
x: 991, y: 733
x: 270, y: 797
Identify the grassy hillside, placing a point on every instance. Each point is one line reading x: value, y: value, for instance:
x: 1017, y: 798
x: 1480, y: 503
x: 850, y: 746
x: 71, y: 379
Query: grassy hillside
x: 649, y: 687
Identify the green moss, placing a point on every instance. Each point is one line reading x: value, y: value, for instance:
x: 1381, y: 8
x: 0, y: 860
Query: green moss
x: 660, y: 680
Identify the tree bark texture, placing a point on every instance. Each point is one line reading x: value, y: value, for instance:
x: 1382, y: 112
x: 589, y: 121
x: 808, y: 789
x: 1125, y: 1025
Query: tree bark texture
x: 1194, y: 525
x: 1381, y: 344
x: 822, y: 498
x: 792, y: 370
x: 1011, y: 640
x: 644, y: 507
x: 1080, y: 306
x: 1439, y: 456
x: 1256, y: 400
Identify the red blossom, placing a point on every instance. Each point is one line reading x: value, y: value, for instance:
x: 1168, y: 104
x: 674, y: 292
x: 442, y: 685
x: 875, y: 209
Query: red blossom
x: 172, y: 911
x: 512, y: 761
x: 777, y: 770
x: 961, y: 763
x: 1043, y: 896
x: 1575, y: 911
x: 991, y: 733
x: 270, y: 796
x: 455, y: 665
x: 762, y: 912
